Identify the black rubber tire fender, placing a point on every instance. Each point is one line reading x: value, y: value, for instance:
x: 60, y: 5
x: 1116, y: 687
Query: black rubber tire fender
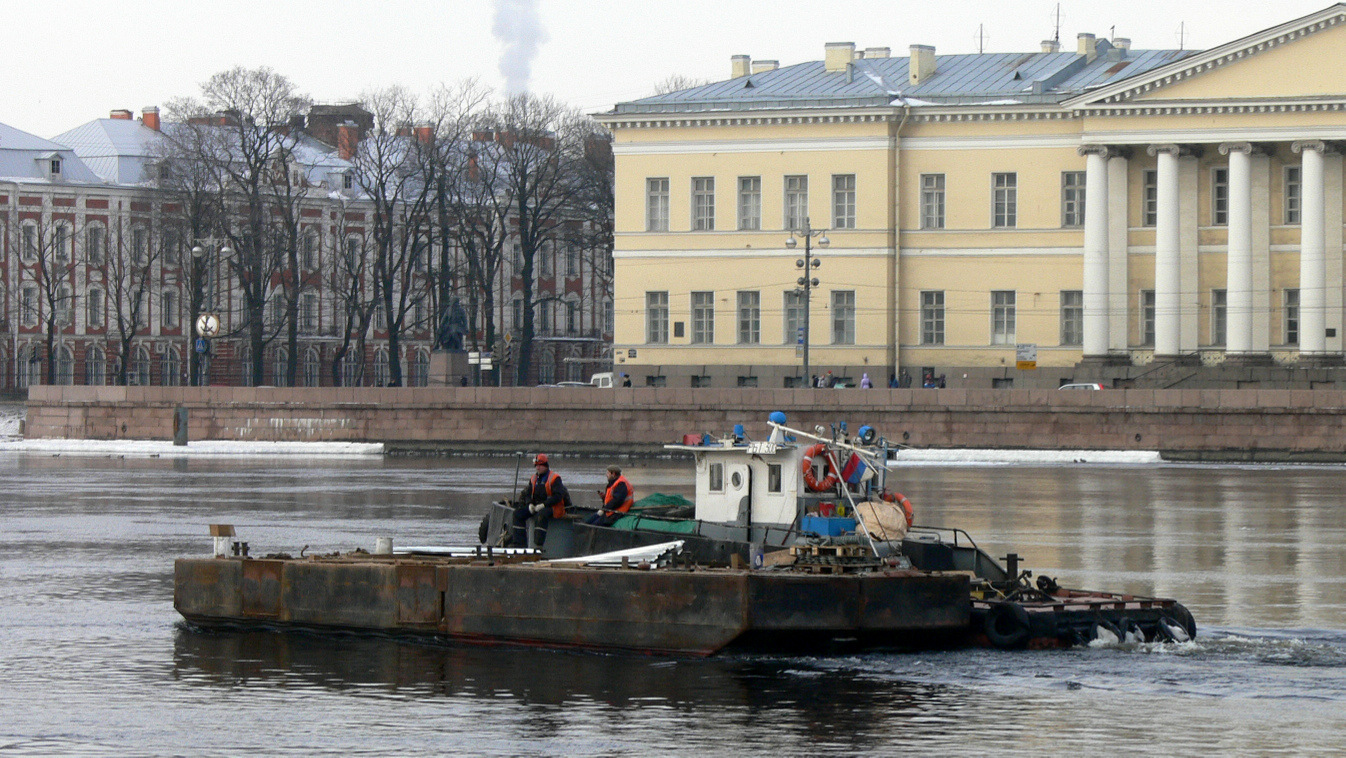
x: 1102, y: 623
x: 1180, y: 614
x: 1007, y: 626
x: 483, y: 531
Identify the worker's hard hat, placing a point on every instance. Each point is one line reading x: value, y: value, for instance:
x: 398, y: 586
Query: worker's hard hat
x: 540, y: 459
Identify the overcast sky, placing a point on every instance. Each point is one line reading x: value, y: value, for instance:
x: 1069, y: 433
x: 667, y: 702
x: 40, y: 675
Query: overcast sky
x: 64, y: 68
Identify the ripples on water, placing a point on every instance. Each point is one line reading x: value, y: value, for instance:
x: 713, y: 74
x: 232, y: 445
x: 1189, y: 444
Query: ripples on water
x: 95, y: 662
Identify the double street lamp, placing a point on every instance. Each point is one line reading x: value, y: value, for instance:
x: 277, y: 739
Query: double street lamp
x: 808, y: 264
x: 206, y: 325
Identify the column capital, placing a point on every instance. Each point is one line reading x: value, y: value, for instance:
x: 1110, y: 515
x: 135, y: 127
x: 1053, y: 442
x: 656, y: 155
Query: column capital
x: 1317, y: 145
x: 1247, y: 148
x: 1177, y: 151
x: 1107, y: 151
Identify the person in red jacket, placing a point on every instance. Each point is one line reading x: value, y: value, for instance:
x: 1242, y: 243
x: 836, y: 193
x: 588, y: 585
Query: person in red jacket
x: 617, y: 500
x: 542, y: 499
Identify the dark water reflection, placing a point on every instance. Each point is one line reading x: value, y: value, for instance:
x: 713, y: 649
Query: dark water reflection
x: 95, y: 662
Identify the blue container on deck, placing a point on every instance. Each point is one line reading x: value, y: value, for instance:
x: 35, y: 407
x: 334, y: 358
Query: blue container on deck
x: 827, y: 526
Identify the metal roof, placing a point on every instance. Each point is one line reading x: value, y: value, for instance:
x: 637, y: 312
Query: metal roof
x: 20, y: 153
x: 978, y: 78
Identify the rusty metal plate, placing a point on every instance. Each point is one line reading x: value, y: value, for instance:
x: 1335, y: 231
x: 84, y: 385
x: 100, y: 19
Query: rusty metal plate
x: 261, y: 588
x: 418, y: 597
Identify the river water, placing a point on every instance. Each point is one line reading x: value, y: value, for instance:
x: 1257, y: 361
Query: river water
x: 94, y: 660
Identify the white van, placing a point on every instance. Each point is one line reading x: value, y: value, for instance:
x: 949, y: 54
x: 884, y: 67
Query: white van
x: 602, y: 379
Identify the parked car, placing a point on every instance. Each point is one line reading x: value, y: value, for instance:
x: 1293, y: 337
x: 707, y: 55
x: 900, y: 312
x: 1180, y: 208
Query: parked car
x: 1081, y: 386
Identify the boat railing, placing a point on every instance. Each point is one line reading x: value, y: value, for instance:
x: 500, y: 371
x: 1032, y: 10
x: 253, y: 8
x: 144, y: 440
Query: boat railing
x: 955, y: 531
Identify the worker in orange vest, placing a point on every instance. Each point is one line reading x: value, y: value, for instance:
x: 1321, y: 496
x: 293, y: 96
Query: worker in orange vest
x: 617, y: 500
x: 542, y: 499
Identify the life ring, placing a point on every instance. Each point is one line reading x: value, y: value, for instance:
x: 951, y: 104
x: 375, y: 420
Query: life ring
x: 897, y: 498
x: 811, y: 479
x: 1007, y: 626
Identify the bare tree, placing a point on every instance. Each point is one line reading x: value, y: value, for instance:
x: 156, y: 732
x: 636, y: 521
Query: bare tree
x: 46, y: 252
x: 133, y: 255
x: 243, y: 131
x: 353, y: 301
x: 677, y: 83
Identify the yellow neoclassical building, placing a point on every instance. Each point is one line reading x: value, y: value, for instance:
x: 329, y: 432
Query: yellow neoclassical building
x: 1098, y: 208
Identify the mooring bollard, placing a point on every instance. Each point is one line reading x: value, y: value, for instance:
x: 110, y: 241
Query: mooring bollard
x: 180, y: 425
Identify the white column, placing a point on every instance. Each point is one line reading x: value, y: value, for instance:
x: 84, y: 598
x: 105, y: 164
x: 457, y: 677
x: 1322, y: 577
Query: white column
x: 1119, y: 249
x: 1312, y: 252
x: 1095, y: 251
x: 1167, y: 272
x: 1239, y: 277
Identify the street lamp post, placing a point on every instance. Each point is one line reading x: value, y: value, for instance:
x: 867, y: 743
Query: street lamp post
x: 205, y: 326
x: 807, y: 265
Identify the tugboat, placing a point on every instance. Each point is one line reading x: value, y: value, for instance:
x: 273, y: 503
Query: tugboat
x: 819, y: 502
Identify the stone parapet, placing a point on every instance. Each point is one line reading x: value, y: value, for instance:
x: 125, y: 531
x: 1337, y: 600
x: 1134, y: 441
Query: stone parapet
x: 1245, y: 424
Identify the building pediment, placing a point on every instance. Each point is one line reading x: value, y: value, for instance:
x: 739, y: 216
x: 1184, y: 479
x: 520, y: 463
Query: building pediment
x: 1247, y: 71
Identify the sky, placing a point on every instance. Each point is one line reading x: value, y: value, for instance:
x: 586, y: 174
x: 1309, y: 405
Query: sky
x: 65, y: 68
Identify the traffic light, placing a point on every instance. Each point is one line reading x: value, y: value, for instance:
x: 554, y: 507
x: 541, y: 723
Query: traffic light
x: 509, y: 352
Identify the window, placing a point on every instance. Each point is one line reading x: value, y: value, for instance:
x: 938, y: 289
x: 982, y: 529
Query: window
x: 544, y: 317
x: 773, y: 477
x: 95, y: 367
x: 932, y: 201
x: 1219, y: 304
x: 65, y: 366
x: 517, y: 258
x: 275, y: 312
x: 65, y: 305
x: 609, y: 317
x: 1147, y: 317
x: 142, y: 308
x: 701, y: 380
x: 796, y: 201
x: 308, y: 313
x: 1292, y: 194
x: 312, y: 368
x: 172, y: 245
x: 572, y: 261
x: 749, y: 317
x: 30, y: 242
x: 28, y: 305
x: 170, y: 369
x: 1072, y: 198
x: 656, y: 205
x: 140, y: 246
x: 932, y: 317
x: 1219, y: 196
x: 1004, y: 211
x: 1290, y: 301
x: 517, y: 311
x: 1002, y: 317
x: 656, y: 380
x: 62, y: 244
x: 843, y: 317
x: 656, y: 318
x: 745, y: 381
x: 843, y: 201
x: 794, y: 317
x: 168, y: 310
x: 140, y: 367
x: 55, y: 167
x: 280, y: 367
x: 93, y: 307
x: 352, y: 254
x: 95, y: 244
x: 703, y: 318
x: 28, y: 371
x: 1072, y: 317
x: 309, y: 250
x: 347, y: 181
x: 750, y: 202
x: 716, y: 478
x: 572, y: 317
x: 544, y: 259
x: 703, y: 203
x: 1150, y: 198
x: 352, y: 370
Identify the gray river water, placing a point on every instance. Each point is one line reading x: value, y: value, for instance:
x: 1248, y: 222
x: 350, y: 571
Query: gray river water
x: 94, y: 660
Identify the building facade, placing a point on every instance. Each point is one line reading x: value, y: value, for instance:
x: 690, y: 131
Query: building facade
x: 1087, y: 208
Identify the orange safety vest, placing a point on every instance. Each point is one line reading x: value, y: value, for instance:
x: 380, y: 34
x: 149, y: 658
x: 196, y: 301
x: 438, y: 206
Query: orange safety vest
x: 630, y: 495
x: 558, y: 510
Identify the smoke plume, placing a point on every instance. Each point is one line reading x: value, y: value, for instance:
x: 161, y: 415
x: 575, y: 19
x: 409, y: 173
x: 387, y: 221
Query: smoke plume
x: 519, y: 28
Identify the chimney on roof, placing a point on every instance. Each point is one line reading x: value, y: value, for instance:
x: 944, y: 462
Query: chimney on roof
x: 425, y: 134
x: 149, y: 116
x: 1087, y: 47
x: 739, y: 65
x: 877, y: 52
x: 1122, y: 43
x: 120, y: 114
x: 348, y: 136
x: 1051, y: 46
x: 761, y: 67
x: 837, y: 56
x: 921, y: 65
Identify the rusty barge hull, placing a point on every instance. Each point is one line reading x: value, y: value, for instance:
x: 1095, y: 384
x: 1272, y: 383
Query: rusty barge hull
x: 664, y: 611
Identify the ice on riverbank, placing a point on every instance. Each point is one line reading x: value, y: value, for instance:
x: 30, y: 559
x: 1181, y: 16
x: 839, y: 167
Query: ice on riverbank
x: 981, y: 457
x: 212, y: 448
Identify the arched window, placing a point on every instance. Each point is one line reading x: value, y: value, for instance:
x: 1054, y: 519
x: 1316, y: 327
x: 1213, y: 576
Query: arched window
x: 309, y: 257
x: 140, y: 367
x: 546, y: 366
x: 28, y: 243
x: 28, y: 370
x: 63, y: 243
x: 172, y: 367
x: 95, y: 367
x: 95, y: 244
x: 65, y: 365
x: 280, y: 363
x: 381, y: 370
x: 245, y: 367
x: 94, y: 308
x: 575, y: 369
x: 352, y: 370
x: 312, y: 368
x: 420, y: 369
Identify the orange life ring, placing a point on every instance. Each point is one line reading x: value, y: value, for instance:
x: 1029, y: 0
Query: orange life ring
x: 811, y: 479
x: 899, y: 499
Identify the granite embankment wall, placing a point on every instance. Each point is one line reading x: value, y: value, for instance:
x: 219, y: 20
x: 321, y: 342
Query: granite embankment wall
x: 1226, y: 424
